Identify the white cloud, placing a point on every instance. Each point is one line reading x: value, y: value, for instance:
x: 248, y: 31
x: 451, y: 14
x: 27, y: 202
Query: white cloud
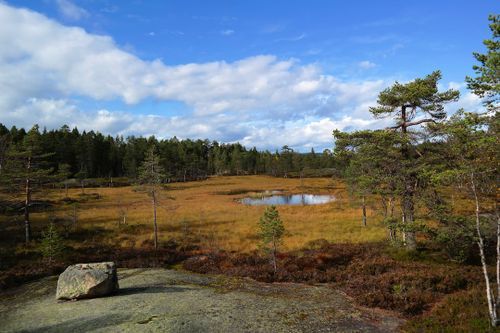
x: 260, y: 100
x: 227, y: 32
x: 366, y: 64
x: 70, y: 11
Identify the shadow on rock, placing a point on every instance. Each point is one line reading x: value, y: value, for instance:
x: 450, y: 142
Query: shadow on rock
x: 82, y: 325
x: 149, y: 290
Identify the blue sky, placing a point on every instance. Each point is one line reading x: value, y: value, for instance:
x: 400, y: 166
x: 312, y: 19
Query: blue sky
x: 265, y: 73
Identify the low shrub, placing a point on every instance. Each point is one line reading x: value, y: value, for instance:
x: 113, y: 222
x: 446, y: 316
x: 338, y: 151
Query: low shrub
x: 367, y: 272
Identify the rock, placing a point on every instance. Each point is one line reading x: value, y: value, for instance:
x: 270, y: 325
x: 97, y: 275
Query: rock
x: 161, y: 300
x: 87, y: 281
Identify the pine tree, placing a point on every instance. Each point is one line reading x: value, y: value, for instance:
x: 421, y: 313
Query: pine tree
x: 26, y: 171
x: 52, y: 244
x: 487, y: 82
x: 271, y: 233
x: 151, y: 176
x: 405, y: 103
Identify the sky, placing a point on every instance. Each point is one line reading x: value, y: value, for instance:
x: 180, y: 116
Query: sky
x: 262, y: 73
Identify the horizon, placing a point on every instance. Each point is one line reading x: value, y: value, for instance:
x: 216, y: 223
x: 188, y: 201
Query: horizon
x: 261, y: 75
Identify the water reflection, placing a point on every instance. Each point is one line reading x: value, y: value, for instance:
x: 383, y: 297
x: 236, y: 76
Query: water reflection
x: 293, y: 199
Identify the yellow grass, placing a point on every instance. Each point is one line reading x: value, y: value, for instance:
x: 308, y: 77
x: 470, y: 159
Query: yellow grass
x: 211, y: 214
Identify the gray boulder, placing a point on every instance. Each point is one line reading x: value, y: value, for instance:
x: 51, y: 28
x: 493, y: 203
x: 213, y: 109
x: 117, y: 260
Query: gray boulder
x: 87, y: 281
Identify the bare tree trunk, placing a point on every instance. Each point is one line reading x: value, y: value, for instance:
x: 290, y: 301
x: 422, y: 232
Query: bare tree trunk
x: 498, y: 261
x: 154, y: 221
x: 480, y: 242
x: 385, y: 209
x: 275, y: 267
x: 409, y: 236
x: 27, y: 203
x: 393, y: 232
x: 498, y: 255
x: 364, y: 210
x: 391, y: 206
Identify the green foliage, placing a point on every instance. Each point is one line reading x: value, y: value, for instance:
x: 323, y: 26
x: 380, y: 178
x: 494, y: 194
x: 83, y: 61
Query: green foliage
x: 487, y: 82
x: 471, y: 168
x: 151, y: 173
x: 52, y: 244
x: 271, y: 233
x: 397, y: 164
x: 271, y: 229
x: 458, y: 312
x: 92, y: 155
x: 405, y: 101
x: 24, y: 161
x: 457, y: 238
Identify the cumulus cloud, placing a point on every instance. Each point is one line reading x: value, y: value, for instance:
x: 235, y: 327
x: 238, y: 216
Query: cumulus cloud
x: 259, y: 100
x: 70, y: 11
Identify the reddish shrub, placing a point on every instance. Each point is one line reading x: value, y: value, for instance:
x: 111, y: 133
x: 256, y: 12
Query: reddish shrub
x: 365, y: 271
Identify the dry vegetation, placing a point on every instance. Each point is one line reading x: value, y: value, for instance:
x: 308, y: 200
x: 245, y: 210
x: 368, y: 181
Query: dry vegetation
x: 203, y: 226
x: 209, y: 212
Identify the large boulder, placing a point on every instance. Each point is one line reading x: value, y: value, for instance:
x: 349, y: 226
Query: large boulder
x: 87, y: 281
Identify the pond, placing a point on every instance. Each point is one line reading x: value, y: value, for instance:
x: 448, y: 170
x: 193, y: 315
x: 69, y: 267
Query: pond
x: 292, y: 200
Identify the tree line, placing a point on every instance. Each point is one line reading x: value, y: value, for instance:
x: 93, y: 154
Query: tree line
x: 94, y: 155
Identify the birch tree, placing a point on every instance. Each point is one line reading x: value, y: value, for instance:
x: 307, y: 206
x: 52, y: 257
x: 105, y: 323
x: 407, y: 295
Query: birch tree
x: 472, y: 142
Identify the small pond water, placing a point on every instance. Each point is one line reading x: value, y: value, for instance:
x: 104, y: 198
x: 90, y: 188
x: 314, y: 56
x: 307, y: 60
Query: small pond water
x: 292, y: 199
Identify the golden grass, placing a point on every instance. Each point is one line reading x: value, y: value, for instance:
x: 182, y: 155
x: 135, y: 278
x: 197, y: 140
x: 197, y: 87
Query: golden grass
x: 210, y: 211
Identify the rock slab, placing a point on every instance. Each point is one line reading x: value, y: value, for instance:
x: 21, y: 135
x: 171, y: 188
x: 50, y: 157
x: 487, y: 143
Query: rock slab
x: 162, y: 300
x: 87, y: 281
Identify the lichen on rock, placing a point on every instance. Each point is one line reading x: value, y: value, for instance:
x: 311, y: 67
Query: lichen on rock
x: 87, y: 281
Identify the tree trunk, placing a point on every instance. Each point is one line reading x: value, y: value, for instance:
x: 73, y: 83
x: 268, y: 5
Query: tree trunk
x: 498, y: 256
x: 275, y: 267
x: 392, y: 234
x: 409, y: 236
x: 480, y: 242
x: 364, y: 210
x: 27, y: 203
x: 498, y: 262
x: 385, y: 208
x: 154, y: 221
x: 391, y: 206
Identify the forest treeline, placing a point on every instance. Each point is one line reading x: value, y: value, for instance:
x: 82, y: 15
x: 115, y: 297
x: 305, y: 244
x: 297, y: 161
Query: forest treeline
x: 95, y: 155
